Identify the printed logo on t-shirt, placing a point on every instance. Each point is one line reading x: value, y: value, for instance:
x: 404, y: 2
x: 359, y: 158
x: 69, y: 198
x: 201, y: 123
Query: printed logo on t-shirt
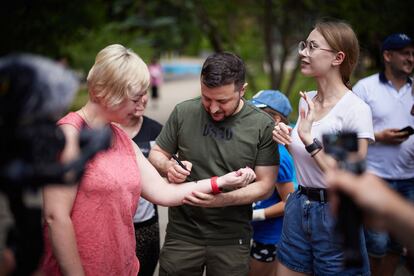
x: 221, y: 133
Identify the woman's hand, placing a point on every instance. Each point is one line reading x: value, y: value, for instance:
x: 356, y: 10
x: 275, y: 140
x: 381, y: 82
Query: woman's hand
x: 281, y: 134
x: 237, y: 179
x: 306, y: 120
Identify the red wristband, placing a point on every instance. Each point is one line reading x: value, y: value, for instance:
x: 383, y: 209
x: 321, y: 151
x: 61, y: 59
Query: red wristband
x: 214, y: 187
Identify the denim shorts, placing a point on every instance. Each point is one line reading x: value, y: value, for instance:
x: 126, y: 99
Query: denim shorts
x: 309, y: 243
x: 379, y: 243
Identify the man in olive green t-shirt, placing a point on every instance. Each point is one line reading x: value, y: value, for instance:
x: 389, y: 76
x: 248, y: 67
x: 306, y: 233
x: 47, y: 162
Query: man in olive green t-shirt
x: 214, y: 134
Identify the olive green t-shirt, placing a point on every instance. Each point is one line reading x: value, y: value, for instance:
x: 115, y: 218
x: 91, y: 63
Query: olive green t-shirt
x: 216, y: 148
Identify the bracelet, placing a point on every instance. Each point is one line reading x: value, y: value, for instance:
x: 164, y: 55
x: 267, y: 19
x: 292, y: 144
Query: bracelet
x: 214, y: 187
x: 313, y: 154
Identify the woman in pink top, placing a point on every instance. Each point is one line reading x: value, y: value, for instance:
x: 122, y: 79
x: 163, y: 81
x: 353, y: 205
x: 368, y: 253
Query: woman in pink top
x: 89, y: 227
x: 156, y: 74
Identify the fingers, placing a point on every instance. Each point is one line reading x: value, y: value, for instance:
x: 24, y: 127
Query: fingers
x: 237, y: 179
x: 191, y: 200
x: 247, y: 174
x: 285, y: 128
x: 302, y: 113
x: 281, y: 134
x: 188, y: 165
x: 280, y: 138
x: 251, y: 175
x: 198, y: 199
x: 173, y: 179
x: 176, y: 174
x: 303, y: 95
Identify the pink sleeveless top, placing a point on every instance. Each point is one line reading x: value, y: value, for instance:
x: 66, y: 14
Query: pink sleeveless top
x: 103, y: 210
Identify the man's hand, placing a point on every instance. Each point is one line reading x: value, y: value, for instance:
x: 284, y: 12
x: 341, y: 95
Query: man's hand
x: 205, y: 200
x: 177, y: 174
x: 391, y: 136
x: 236, y: 179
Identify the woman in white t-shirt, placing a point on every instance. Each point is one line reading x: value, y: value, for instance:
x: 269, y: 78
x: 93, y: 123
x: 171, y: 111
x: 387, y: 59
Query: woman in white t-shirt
x: 309, y: 243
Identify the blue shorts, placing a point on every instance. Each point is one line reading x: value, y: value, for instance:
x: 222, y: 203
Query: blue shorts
x: 379, y: 243
x: 309, y: 243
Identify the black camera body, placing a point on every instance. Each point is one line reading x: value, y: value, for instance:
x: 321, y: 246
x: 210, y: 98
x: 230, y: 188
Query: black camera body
x: 349, y: 220
x: 34, y: 93
x: 340, y: 146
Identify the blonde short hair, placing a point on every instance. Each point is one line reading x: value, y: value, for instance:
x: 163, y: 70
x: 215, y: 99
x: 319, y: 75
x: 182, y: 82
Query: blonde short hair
x: 118, y: 73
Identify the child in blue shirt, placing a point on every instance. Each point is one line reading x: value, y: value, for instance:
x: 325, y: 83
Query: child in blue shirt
x: 268, y: 214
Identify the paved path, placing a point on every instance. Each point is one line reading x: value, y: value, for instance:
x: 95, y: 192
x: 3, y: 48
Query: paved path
x: 171, y: 93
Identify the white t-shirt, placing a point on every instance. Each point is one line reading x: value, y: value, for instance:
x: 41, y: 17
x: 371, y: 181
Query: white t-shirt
x: 390, y: 109
x: 349, y: 114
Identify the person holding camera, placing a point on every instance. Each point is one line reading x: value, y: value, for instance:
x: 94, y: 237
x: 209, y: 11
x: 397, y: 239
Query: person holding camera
x: 309, y: 243
x: 391, y: 99
x: 89, y: 227
x: 383, y: 207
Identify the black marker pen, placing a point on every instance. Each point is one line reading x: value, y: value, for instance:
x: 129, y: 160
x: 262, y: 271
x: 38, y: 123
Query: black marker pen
x: 182, y: 166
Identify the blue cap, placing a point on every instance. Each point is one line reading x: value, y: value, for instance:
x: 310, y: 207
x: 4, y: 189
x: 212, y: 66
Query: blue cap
x: 273, y: 99
x: 396, y: 42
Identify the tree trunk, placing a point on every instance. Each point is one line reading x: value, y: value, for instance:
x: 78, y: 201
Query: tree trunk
x: 292, y: 78
x: 209, y: 29
x: 268, y: 39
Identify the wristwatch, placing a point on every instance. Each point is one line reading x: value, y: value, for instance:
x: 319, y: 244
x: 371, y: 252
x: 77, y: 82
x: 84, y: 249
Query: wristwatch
x: 314, y: 146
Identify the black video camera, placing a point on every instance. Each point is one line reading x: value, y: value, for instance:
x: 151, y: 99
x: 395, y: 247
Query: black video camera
x: 34, y: 93
x: 343, y: 147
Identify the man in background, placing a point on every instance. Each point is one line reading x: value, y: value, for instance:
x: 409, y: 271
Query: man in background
x: 390, y: 97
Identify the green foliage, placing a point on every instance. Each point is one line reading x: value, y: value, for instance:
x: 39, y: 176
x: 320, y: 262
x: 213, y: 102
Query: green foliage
x: 80, y: 99
x: 78, y: 29
x: 81, y: 54
x: 43, y: 26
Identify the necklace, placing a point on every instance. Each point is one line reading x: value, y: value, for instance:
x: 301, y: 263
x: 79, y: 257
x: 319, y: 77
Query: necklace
x: 85, y: 117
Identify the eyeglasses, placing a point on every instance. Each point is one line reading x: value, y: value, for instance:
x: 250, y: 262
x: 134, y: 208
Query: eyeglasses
x: 139, y: 97
x: 311, y: 47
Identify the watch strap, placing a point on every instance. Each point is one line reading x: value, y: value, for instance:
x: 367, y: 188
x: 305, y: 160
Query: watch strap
x: 314, y: 146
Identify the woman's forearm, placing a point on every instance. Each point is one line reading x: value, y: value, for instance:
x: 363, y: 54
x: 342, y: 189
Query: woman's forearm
x: 63, y: 240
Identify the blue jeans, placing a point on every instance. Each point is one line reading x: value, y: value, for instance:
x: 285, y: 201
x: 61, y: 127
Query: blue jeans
x: 309, y: 243
x: 380, y: 243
